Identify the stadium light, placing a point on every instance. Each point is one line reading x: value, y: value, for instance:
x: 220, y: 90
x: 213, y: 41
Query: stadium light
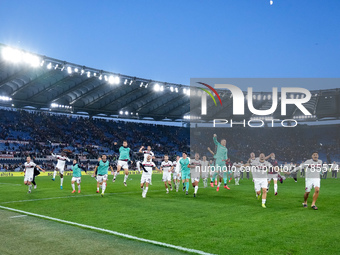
x: 82, y: 71
x: 49, y: 66
x: 95, y: 74
x: 156, y: 87
x: 117, y: 80
x: 100, y: 77
x: 269, y: 97
x: 42, y: 62
x: 56, y: 66
x: 121, y: 112
x: 172, y: 89
x: 69, y: 70
x: 76, y: 70
x: 5, y: 98
x: 161, y: 88
x: 88, y: 74
x: 131, y: 82
x: 146, y: 85
x: 141, y: 84
x: 126, y: 113
x: 125, y: 82
x: 111, y: 79
x: 259, y: 97
x: 176, y: 89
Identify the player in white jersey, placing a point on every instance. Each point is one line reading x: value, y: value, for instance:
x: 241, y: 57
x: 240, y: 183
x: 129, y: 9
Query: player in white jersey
x: 29, y: 172
x: 176, y: 172
x: 166, y: 167
x: 313, y: 168
x: 61, y: 162
x: 195, y: 172
x: 237, y: 172
x: 205, y: 169
x: 147, y: 167
x: 259, y: 168
x: 334, y: 169
x: 146, y: 153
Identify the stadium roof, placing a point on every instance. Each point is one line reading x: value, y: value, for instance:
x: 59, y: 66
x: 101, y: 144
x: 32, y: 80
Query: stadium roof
x: 45, y: 83
x: 33, y: 80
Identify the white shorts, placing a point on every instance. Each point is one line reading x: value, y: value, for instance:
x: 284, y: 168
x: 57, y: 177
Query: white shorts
x: 123, y: 164
x: 197, y: 179
x: 101, y: 178
x: 166, y: 176
x: 272, y: 177
x: 312, y: 183
x: 28, y: 177
x: 145, y: 178
x: 261, y: 183
x: 60, y: 168
x: 76, y: 179
x: 204, y: 174
x: 176, y: 176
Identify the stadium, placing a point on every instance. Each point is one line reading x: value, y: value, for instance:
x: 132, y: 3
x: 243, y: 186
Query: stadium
x: 67, y: 122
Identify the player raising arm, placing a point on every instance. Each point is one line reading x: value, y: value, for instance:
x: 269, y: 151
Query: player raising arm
x: 29, y: 171
x: 101, y: 171
x: 61, y: 162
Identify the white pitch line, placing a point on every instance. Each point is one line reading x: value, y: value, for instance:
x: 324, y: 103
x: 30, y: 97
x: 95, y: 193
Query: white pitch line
x: 10, y: 183
x: 180, y: 248
x: 18, y: 216
x: 76, y: 196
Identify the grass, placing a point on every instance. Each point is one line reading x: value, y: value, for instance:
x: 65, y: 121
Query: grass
x: 224, y: 222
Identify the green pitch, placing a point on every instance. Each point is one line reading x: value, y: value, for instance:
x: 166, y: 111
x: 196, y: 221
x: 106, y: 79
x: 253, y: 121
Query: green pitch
x: 224, y: 222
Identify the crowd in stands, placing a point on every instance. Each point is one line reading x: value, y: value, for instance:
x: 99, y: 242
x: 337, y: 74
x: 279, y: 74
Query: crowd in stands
x: 289, y: 144
x: 38, y: 134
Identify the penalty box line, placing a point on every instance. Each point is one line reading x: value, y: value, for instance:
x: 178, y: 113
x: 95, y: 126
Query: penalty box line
x: 180, y: 248
x: 76, y: 196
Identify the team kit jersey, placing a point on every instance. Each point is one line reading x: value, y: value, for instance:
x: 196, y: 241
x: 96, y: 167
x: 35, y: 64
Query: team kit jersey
x: 61, y: 162
x: 272, y: 174
x: 313, y: 170
x: 259, y: 170
x: 204, y: 169
x: 195, y: 170
x: 146, y: 153
x: 147, y: 167
x: 166, y: 166
x: 102, y: 170
x: 124, y: 157
x: 29, y: 171
x: 237, y: 169
x: 176, y: 170
x: 185, y: 170
x: 221, y: 155
x: 76, y: 173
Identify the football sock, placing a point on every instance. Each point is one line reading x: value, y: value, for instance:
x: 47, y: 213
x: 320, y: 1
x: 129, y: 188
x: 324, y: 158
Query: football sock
x: 196, y: 188
x: 263, y: 201
x: 187, y: 186
x: 125, y: 177
x: 61, y: 181
x: 54, y: 174
x: 73, y: 186
x: 103, y: 187
x: 275, y: 188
